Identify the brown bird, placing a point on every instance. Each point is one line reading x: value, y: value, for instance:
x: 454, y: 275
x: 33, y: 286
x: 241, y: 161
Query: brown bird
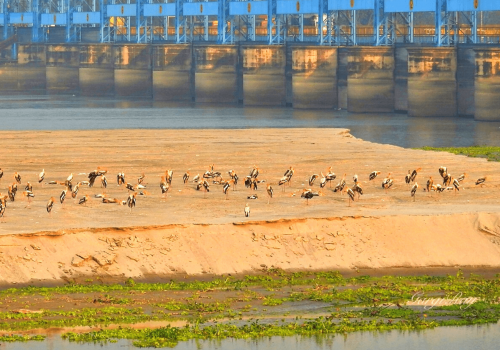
x: 28, y: 187
x: 350, y: 194
x: 373, y: 175
x: 414, y: 190
x: 17, y: 177
x: 84, y: 200
x: 75, y: 189
x: 140, y: 179
x: 430, y: 182
x: 269, y: 192
x: 462, y: 177
x: 414, y: 174
x: 226, y: 186
x: 164, y: 187
x: 50, y: 204
x: 131, y: 201
x: 185, y: 178
x: 120, y: 178
x: 481, y: 181
x: 3, y: 206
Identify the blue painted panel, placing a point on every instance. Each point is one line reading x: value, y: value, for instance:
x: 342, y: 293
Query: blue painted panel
x: 291, y: 7
x: 49, y: 19
x: 2, y: 19
x: 21, y: 18
x: 339, y: 5
x: 86, y: 17
x: 473, y: 5
x: 124, y: 10
x: 410, y: 5
x: 201, y: 8
x: 159, y: 10
x: 248, y: 8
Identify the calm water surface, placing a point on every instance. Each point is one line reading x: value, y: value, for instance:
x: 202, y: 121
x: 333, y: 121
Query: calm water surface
x: 72, y: 113
x: 483, y: 337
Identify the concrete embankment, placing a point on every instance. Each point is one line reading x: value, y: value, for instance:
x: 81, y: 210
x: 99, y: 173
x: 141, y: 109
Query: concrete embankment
x: 419, y: 80
x: 469, y: 240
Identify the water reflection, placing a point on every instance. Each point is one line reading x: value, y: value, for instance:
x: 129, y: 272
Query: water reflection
x: 67, y: 113
x: 482, y: 337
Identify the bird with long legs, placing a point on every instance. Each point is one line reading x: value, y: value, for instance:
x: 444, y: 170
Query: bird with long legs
x: 307, y: 193
x: 3, y: 207
x: 185, y: 177
x: 17, y: 177
x: 312, y: 178
x: 41, y: 176
x: 270, y: 193
x: 322, y: 181
x: 341, y: 185
x: 330, y: 176
x: 289, y: 174
x: 355, y: 179
x: 447, y: 178
x: 414, y: 174
x: 28, y: 187
x: 350, y: 196
x: 164, y: 186
x: 430, y: 182
x: 11, y: 194
x: 206, y: 188
x: 357, y: 189
x: 120, y: 178
x: 247, y: 210
x: 141, y: 178
x: 75, y: 190
x: 456, y: 185
x: 462, y: 177
x: 282, y: 182
x: 131, y: 201
x: 408, y: 178
x: 387, y: 182
x: 169, y: 175
x: 104, y: 181
x: 196, y: 178
x: 50, y: 205
x: 62, y: 196
x: 443, y: 171
x: 413, y: 191
x: 226, y: 186
x: 29, y: 195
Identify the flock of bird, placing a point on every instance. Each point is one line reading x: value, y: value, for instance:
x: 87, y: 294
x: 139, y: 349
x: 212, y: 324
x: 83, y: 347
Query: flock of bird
x: 212, y: 177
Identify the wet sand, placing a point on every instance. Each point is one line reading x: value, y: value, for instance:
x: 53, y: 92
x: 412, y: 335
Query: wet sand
x: 188, y: 233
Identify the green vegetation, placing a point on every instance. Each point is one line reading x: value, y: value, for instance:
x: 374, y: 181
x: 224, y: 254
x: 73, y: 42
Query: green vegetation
x: 490, y: 152
x: 274, y: 303
x: 13, y: 338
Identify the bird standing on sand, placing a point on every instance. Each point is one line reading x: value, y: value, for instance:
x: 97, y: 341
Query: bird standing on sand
x: 414, y: 174
x: 226, y: 186
x: 169, y: 174
x: 308, y: 194
x: 350, y: 196
x: 104, y: 181
x: 62, y: 197
x: 481, y: 181
x: 234, y: 177
x: 11, y: 193
x: 28, y: 195
x: 41, y: 176
x: 373, y: 175
x: 84, y: 200
x: 196, y: 178
x: 141, y: 178
x: 447, y: 179
x: 75, y: 189
x: 283, y: 182
x: 456, y: 185
x: 28, y: 187
x: 408, y: 177
x: 322, y: 181
x: 414, y: 190
x: 330, y: 176
x: 164, y: 187
x: 120, y: 178
x: 131, y: 200
x: 462, y: 177
x: 357, y: 189
x: 247, y: 210
x: 340, y: 186
x: 312, y: 179
x: 3, y: 206
x: 443, y: 171
x: 17, y: 177
x: 387, y: 182
x: 355, y: 179
x: 289, y: 174
x: 1, y: 173
x: 269, y: 192
x: 185, y: 177
x: 50, y: 204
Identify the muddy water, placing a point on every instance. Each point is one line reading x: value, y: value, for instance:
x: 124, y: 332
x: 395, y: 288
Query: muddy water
x: 72, y: 113
x: 483, y: 337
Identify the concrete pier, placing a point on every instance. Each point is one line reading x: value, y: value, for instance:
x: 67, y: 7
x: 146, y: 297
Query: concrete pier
x: 370, y: 80
x: 263, y: 75
x: 401, y: 80
x: 96, y: 73
x: 62, y: 70
x: 31, y: 71
x: 466, y: 68
x: 487, y: 84
x: 343, y: 58
x: 172, y: 73
x: 133, y: 74
x: 314, y: 77
x: 432, y: 85
x: 216, y: 74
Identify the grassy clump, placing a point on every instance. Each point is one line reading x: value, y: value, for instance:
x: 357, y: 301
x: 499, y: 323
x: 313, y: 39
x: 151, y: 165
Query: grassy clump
x: 491, y: 153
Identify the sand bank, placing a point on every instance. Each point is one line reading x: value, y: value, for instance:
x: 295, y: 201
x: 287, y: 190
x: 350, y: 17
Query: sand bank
x: 188, y: 233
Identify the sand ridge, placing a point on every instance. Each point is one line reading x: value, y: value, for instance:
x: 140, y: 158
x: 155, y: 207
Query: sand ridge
x: 436, y: 230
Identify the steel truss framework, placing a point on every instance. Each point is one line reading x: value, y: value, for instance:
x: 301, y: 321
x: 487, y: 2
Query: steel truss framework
x: 272, y: 22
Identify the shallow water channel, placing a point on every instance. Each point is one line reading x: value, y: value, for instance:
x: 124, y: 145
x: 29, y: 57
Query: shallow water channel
x: 484, y: 337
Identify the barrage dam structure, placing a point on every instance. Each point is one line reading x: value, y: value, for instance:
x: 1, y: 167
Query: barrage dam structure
x: 431, y: 58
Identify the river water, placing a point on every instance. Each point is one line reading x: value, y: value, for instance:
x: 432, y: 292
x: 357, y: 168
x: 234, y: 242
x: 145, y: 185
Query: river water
x: 484, y: 337
x: 76, y: 113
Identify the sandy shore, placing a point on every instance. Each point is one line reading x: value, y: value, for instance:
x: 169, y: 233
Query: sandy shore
x: 192, y: 234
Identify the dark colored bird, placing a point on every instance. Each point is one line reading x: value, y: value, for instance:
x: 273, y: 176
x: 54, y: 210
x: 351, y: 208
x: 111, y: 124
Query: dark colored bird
x: 50, y: 204
x: 373, y: 175
x: 414, y: 190
x: 104, y: 181
x: 84, y: 200
x: 120, y: 178
x: 28, y: 187
x: 17, y: 177
x: 414, y: 174
x: 131, y: 201
x: 481, y: 181
x: 270, y: 192
x: 312, y: 179
x: 185, y: 177
x: 141, y: 178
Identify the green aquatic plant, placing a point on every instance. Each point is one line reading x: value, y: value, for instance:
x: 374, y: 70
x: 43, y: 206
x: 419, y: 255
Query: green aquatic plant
x: 491, y: 153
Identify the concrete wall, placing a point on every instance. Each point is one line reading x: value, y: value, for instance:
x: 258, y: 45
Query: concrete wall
x: 343, y: 58
x: 216, y: 69
x: 432, y: 85
x: 96, y: 73
x: 487, y: 83
x: 314, y: 77
x: 133, y: 74
x: 62, y: 71
x: 172, y: 73
x: 466, y: 68
x: 31, y: 73
x: 370, y: 80
x: 401, y: 79
x: 263, y: 69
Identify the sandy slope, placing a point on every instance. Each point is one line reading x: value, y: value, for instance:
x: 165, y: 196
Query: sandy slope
x: 188, y: 233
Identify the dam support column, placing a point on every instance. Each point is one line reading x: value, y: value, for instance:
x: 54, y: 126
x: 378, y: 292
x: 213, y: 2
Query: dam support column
x: 263, y: 75
x: 96, y: 73
x: 487, y: 84
x: 31, y: 69
x: 401, y: 80
x: 216, y: 70
x: 343, y: 55
x: 370, y: 80
x: 8, y: 72
x: 466, y: 68
x: 172, y: 73
x: 314, y: 77
x: 133, y: 73
x: 432, y: 84
x: 62, y: 69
